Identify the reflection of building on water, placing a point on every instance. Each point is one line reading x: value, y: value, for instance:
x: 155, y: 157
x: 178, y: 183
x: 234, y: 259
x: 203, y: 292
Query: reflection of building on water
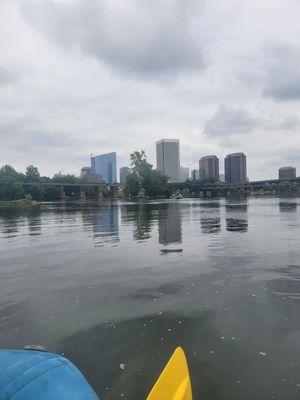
x: 210, y: 217
x: 286, y: 206
x: 210, y: 225
x: 169, y: 224
x: 106, y: 224
x: 237, y: 217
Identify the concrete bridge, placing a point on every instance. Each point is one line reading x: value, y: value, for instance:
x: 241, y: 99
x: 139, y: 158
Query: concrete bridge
x: 218, y: 188
x: 81, y: 188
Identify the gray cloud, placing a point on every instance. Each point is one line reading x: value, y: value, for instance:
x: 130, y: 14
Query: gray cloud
x: 228, y: 122
x: 283, y: 73
x: 82, y: 76
x: 7, y: 76
x: 288, y: 123
x: 140, y: 37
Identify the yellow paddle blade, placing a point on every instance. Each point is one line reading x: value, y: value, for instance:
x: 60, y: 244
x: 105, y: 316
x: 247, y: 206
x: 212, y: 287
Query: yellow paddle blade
x: 174, y: 382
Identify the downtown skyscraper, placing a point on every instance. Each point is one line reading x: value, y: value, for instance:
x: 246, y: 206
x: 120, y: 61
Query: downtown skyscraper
x: 209, y: 168
x: 168, y: 158
x: 236, y: 168
x: 106, y: 165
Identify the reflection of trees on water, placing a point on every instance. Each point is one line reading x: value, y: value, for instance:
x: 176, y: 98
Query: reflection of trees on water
x: 286, y: 206
x: 11, y: 220
x: 142, y: 215
x: 34, y: 221
x: 236, y: 217
x: 210, y: 217
x: 169, y: 223
x: 14, y: 219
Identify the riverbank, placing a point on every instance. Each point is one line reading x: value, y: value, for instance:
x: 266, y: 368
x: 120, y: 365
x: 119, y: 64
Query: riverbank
x: 19, y: 203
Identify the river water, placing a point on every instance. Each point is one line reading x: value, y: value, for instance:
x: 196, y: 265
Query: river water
x: 117, y: 286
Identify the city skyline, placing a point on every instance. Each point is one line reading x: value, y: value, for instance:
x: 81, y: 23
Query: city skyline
x: 235, y: 166
x: 223, y: 88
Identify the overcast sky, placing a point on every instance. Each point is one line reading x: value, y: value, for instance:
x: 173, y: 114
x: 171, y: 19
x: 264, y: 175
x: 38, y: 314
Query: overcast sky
x: 93, y: 76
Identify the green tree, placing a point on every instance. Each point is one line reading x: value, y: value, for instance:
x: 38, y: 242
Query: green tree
x: 7, y: 171
x: 186, y: 192
x: 144, y: 179
x: 60, y: 178
x: 32, y: 174
x: 36, y: 191
x: 11, y: 187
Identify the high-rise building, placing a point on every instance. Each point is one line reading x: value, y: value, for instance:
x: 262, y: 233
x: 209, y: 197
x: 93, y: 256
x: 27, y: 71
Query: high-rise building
x: 195, y: 175
x: 89, y: 176
x: 184, y: 173
x: 209, y: 168
x: 236, y: 168
x: 168, y: 158
x: 86, y: 171
x: 124, y: 172
x: 106, y: 165
x: 287, y: 173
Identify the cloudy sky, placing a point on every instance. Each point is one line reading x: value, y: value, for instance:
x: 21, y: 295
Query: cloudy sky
x: 93, y: 76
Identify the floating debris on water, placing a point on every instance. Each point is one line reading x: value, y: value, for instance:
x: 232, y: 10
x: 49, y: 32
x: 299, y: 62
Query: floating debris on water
x: 261, y: 353
x: 122, y: 366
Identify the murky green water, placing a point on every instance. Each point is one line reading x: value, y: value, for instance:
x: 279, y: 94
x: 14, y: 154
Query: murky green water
x: 122, y: 283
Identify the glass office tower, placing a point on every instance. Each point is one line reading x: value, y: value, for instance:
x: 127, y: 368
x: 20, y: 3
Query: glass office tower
x: 106, y: 165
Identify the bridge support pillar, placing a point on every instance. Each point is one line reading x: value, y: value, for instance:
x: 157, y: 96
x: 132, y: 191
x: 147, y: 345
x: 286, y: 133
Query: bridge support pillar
x: 62, y: 192
x: 113, y: 192
x: 82, y: 194
x: 100, y: 194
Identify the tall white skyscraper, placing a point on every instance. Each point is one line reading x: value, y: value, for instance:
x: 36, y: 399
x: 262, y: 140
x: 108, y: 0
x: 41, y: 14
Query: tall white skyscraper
x: 168, y: 158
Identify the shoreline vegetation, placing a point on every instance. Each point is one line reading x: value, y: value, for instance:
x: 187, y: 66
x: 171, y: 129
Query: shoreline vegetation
x: 19, y: 203
x: 143, y: 183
